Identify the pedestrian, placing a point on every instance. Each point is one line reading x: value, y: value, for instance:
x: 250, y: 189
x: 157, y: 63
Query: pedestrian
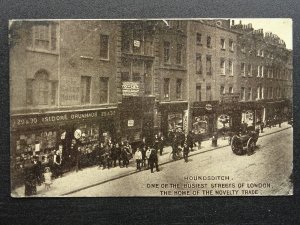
x: 106, y: 156
x: 161, y: 143
x: 262, y: 127
x: 118, y: 154
x: 190, y: 140
x: 57, y: 169
x: 186, y: 150
x: 153, y: 160
x: 113, y: 155
x: 78, y: 155
x: 47, y: 178
x: 138, y: 158
x: 156, y: 142
x: 29, y: 178
x: 144, y: 158
x: 148, y: 153
x: 199, y: 139
x: 124, y: 155
x: 215, y: 139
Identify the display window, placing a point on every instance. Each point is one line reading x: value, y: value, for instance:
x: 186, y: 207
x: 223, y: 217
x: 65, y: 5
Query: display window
x: 88, y: 135
x: 223, y: 122
x: 200, y: 124
x: 248, y: 117
x: 175, y: 121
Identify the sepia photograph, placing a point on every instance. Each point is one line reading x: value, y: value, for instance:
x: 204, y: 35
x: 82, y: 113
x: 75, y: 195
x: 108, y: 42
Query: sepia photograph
x: 151, y: 107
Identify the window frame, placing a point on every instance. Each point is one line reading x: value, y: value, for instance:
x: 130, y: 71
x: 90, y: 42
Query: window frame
x: 101, y: 46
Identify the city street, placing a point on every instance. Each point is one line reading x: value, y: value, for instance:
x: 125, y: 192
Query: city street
x: 214, y: 173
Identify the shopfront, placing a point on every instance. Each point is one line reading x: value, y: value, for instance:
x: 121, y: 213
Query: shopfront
x: 228, y: 117
x: 173, y: 117
x: 41, y: 135
x: 204, y: 117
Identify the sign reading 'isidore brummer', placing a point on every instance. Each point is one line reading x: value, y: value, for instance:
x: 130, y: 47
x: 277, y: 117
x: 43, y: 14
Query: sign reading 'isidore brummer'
x: 32, y: 120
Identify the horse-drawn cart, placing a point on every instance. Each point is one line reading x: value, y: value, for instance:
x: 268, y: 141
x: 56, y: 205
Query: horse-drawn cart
x: 246, y: 143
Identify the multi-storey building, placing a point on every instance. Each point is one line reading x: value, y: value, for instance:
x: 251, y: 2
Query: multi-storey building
x: 212, y: 73
x: 265, y: 75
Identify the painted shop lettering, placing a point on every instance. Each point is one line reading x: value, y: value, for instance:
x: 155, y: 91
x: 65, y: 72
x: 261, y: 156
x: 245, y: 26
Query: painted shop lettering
x: 54, y: 118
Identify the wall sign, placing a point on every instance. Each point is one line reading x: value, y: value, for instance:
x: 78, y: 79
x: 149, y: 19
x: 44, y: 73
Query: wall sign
x: 131, y: 88
x: 130, y: 123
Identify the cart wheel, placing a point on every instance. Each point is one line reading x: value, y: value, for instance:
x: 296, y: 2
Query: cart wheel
x: 251, y: 145
x: 236, y: 145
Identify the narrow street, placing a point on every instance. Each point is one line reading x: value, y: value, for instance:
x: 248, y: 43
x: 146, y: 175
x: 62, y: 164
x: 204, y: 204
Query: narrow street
x: 213, y: 173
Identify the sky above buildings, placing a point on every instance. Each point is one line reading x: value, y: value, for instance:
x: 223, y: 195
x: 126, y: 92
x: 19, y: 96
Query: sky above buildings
x: 282, y: 27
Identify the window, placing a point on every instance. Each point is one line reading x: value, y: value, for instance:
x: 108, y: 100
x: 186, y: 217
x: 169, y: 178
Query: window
x: 42, y: 88
x: 208, y: 42
x: 104, y: 46
x: 230, y: 68
x: 125, y: 76
x: 249, y: 93
x: 179, y: 88
x: 198, y: 93
x: 261, y: 71
x: 222, y: 43
x: 262, y: 53
x: 29, y: 91
x: 45, y: 37
x: 198, y: 39
x: 262, y: 94
x: 136, y: 77
x: 208, y: 65
x: 54, y: 85
x: 264, y: 71
x: 222, y: 66
x: 258, y: 52
x: 271, y: 92
x: 243, y: 48
x: 179, y: 54
x: 258, y: 71
x: 85, y: 87
x: 222, y: 90
x: 258, y: 93
x: 242, y: 93
x: 167, y: 52
x: 208, y: 93
x: 148, y: 78
x: 231, y: 45
x: 249, y: 70
x: 243, y: 69
x: 198, y: 64
x: 103, y: 90
x: 137, y: 36
x: 230, y: 90
x: 167, y: 88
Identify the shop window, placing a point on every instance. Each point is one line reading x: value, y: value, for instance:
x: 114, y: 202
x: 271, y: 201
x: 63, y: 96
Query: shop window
x: 222, y: 66
x: 198, y: 93
x: 230, y: 68
x: 249, y: 93
x: 179, y: 88
x: 104, y: 46
x: 85, y: 87
x: 231, y: 45
x: 222, y: 43
x: 29, y: 91
x: 208, y: 65
x: 104, y: 87
x: 230, y: 90
x: 242, y: 93
x: 167, y: 52
x: 198, y: 39
x: 167, y: 88
x: 249, y: 70
x: 44, y: 37
x: 175, y: 121
x: 179, y: 54
x: 198, y: 64
x: 208, y: 42
x: 243, y: 72
x: 208, y: 93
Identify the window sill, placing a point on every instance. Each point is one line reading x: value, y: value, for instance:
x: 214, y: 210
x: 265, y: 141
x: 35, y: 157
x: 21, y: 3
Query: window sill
x: 103, y: 59
x: 42, y: 51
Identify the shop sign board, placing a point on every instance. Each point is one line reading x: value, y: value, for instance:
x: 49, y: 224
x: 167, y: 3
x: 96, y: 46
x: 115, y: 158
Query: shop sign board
x: 53, y: 118
x: 230, y: 97
x: 130, y: 88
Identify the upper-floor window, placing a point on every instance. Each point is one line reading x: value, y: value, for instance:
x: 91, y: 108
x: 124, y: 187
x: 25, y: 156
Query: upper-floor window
x: 243, y: 93
x: 249, y: 93
x: 222, y: 43
x: 208, y: 93
x: 249, y: 70
x: 208, y: 65
x: 85, y: 86
x: 230, y: 68
x: 230, y: 90
x: 179, y: 54
x: 243, y: 48
x: 231, y: 45
x: 104, y: 82
x: 222, y: 66
x: 179, y: 88
x: 45, y: 37
x: 222, y: 90
x: 166, y: 89
x: 243, y: 69
x: 104, y: 46
x: 40, y: 90
x: 208, y: 42
x: 198, y: 92
x: 198, y: 63
x: 198, y: 39
x: 166, y: 52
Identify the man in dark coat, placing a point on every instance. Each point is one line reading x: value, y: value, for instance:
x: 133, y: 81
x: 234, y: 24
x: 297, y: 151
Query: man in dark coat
x: 153, y: 160
x: 186, y: 151
x: 190, y: 140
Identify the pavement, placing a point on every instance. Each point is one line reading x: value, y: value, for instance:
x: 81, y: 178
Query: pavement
x: 89, y: 177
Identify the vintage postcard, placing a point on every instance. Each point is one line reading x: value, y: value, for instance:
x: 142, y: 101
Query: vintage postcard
x: 152, y: 107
